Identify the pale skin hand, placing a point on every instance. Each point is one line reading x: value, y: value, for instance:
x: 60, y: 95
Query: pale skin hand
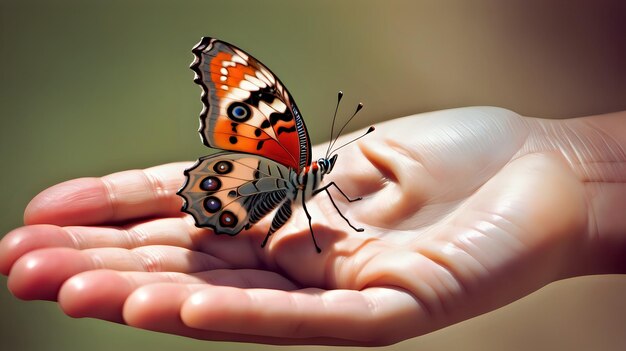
x: 464, y: 211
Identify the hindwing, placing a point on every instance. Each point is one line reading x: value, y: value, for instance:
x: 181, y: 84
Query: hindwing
x: 229, y: 192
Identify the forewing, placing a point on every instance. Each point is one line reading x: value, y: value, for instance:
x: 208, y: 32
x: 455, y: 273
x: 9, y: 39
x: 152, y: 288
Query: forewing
x: 246, y: 107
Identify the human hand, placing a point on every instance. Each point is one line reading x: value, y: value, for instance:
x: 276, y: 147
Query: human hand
x: 464, y: 211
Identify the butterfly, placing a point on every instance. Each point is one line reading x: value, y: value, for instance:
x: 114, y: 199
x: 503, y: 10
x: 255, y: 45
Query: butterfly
x: 266, y: 162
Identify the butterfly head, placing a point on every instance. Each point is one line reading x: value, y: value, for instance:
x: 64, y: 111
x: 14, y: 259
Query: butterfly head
x: 326, y: 164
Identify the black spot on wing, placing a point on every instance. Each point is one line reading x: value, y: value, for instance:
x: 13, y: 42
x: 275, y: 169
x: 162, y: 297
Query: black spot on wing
x: 276, y: 116
x: 266, y: 94
x: 282, y: 129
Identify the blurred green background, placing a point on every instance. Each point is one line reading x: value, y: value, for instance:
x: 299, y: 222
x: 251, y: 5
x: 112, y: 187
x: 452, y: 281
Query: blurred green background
x: 90, y: 88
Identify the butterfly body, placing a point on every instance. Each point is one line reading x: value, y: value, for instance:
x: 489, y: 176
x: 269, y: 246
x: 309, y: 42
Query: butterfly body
x: 266, y: 165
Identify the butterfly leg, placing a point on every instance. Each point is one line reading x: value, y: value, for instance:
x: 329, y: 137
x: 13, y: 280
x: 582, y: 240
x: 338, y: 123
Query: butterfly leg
x: 325, y: 188
x: 341, y: 214
x: 310, y: 226
x: 281, y: 217
x: 308, y: 215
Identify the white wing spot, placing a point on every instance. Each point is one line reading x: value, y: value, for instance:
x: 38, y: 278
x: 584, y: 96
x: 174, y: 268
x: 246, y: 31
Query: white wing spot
x: 224, y: 71
x: 242, y: 54
x: 225, y: 87
x: 263, y: 78
x: 254, y: 80
x: 244, y: 84
x: 279, y: 105
x: 238, y: 59
x: 268, y: 75
x: 223, y: 78
x: 265, y: 108
x: 239, y: 94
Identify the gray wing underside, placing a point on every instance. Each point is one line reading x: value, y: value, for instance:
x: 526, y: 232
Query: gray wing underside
x: 252, y: 187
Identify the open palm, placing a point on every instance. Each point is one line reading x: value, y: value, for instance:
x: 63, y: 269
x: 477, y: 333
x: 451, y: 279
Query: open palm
x: 464, y: 211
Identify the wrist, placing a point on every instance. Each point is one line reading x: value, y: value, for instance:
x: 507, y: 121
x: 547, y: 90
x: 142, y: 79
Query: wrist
x: 607, y: 191
x: 596, y: 152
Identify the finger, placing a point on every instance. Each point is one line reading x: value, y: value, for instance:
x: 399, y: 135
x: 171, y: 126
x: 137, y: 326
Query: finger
x: 168, y: 231
x: 25, y: 239
x: 157, y: 307
x: 40, y: 274
x: 178, y: 232
x: 113, y: 198
x: 97, y: 294
x: 400, y: 172
x: 373, y: 315
x: 101, y: 293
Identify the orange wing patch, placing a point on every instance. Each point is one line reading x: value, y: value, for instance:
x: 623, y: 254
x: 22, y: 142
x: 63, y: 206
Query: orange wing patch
x: 229, y: 135
x: 227, y: 72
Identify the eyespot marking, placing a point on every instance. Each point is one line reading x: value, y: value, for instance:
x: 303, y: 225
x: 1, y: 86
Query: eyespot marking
x: 223, y: 167
x: 239, y: 112
x: 212, y: 204
x: 210, y: 184
x: 228, y: 219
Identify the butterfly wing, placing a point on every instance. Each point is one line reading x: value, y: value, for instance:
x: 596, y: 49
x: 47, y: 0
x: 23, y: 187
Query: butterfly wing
x: 229, y: 192
x: 246, y: 108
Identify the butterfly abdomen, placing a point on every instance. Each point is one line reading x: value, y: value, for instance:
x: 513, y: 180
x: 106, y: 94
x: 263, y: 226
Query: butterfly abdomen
x: 282, y: 216
x: 265, y: 203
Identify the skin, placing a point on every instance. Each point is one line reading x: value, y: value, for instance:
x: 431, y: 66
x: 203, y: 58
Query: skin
x: 464, y: 211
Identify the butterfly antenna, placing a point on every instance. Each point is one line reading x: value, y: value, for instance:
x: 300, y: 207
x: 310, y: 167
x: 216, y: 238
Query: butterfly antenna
x: 332, y: 127
x: 369, y: 130
x: 358, y: 108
